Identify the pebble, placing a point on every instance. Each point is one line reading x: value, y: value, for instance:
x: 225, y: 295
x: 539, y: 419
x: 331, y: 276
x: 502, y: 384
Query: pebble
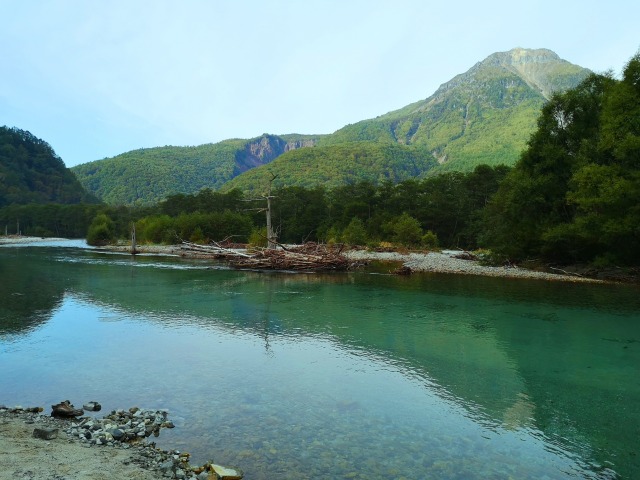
x: 45, y: 433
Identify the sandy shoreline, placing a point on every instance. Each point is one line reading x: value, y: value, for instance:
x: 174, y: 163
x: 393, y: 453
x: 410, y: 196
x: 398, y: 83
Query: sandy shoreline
x: 22, y: 456
x: 445, y: 262
x: 34, y: 445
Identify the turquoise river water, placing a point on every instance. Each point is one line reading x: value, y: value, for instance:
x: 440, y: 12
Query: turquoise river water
x: 352, y: 375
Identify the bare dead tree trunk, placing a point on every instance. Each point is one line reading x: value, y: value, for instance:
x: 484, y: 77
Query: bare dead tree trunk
x: 271, y: 238
x: 134, y: 249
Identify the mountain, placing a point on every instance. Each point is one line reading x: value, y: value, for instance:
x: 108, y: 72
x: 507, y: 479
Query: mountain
x: 484, y: 115
x: 31, y: 172
x: 148, y: 175
x: 335, y: 165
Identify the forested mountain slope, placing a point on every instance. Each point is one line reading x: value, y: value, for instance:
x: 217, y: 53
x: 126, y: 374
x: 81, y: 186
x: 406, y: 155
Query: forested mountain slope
x: 336, y: 165
x: 483, y: 116
x: 31, y: 172
x: 146, y: 176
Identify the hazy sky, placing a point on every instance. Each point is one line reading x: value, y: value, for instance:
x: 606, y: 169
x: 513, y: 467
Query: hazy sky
x: 98, y: 78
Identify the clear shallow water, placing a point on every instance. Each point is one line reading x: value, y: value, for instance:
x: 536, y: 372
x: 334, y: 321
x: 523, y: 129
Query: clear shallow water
x: 333, y: 376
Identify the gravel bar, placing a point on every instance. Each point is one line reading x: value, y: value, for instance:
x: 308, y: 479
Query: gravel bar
x: 444, y: 262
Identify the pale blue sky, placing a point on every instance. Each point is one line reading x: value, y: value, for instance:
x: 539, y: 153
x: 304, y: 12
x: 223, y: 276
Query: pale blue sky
x: 98, y: 78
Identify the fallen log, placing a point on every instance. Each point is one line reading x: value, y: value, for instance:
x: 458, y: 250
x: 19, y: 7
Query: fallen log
x: 211, y: 249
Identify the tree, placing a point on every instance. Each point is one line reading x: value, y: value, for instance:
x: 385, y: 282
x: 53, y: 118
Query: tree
x: 355, y: 233
x: 300, y: 213
x: 101, y: 231
x: 406, y: 231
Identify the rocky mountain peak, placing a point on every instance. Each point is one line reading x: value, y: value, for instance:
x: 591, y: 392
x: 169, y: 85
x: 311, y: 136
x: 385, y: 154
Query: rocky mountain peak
x: 542, y: 69
x: 521, y: 56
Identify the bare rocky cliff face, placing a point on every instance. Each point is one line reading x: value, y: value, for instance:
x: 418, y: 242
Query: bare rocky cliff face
x: 265, y: 149
x: 300, y: 144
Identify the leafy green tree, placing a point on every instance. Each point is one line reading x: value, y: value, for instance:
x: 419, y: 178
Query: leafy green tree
x: 430, y: 240
x: 258, y: 237
x: 406, y: 231
x: 159, y: 229
x: 299, y: 213
x: 101, y: 231
x: 532, y: 199
x: 355, y: 233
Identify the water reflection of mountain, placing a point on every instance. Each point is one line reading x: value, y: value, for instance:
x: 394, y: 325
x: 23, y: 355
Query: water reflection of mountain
x: 28, y: 293
x: 515, y: 354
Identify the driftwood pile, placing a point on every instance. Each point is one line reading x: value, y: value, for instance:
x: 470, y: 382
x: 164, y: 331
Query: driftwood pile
x: 212, y: 250
x: 308, y: 257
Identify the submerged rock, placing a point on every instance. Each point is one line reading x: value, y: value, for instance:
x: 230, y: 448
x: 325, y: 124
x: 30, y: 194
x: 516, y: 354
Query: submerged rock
x: 92, y: 406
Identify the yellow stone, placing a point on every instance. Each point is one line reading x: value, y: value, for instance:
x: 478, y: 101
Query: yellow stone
x: 227, y: 473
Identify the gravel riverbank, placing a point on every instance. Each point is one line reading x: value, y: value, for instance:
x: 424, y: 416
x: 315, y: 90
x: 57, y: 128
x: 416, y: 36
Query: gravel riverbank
x: 445, y: 262
x: 20, y: 239
x: 24, y: 456
x: 37, y: 446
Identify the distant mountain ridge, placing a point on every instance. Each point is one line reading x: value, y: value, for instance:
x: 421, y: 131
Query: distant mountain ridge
x: 146, y: 176
x: 482, y: 116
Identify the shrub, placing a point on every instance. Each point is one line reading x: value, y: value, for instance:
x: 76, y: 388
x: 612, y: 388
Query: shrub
x: 258, y: 237
x: 407, y: 230
x: 355, y: 233
x: 429, y: 240
x: 101, y: 231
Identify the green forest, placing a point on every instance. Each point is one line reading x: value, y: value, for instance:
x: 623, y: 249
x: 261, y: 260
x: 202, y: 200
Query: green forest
x: 413, y: 213
x: 146, y: 176
x: 31, y: 172
x: 337, y: 165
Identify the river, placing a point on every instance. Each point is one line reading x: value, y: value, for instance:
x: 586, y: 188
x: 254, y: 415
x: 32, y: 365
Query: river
x: 330, y: 376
